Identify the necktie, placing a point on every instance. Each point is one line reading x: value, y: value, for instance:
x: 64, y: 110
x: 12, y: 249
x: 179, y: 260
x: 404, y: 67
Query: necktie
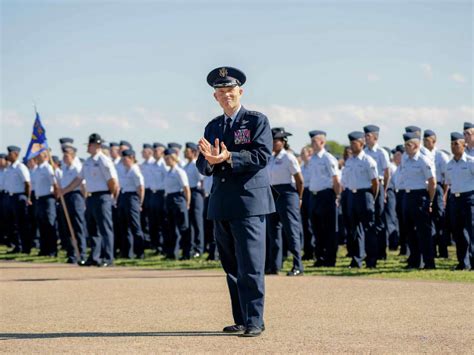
x: 227, y: 131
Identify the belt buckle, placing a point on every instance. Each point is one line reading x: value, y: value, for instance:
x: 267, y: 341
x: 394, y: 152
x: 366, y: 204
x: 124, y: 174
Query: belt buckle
x: 397, y: 190
x: 407, y: 191
x: 354, y: 191
x: 154, y: 191
x: 314, y: 192
x: 11, y: 194
x: 457, y: 194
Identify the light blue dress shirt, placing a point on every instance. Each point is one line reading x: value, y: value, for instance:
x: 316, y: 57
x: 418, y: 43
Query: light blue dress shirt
x: 460, y: 174
x: 194, y: 177
x: 132, y: 179
x: 360, y: 171
x: 15, y: 177
x: 323, y: 168
x: 282, y: 167
x: 97, y: 171
x: 175, y: 180
x: 70, y: 172
x: 44, y: 180
x: 158, y: 174
x: 146, y: 169
x: 380, y: 156
x: 416, y: 171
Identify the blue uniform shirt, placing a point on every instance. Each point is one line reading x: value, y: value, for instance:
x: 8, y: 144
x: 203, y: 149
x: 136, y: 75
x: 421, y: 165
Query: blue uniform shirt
x: 97, y: 171
x: 469, y: 151
x: 282, y: 167
x: 158, y: 174
x: 416, y: 171
x: 393, y: 168
x: 441, y: 160
x: 70, y: 172
x: 175, y: 180
x: 194, y: 177
x: 146, y: 169
x: 460, y: 174
x: 323, y: 168
x: 306, y: 172
x: 2, y: 180
x: 15, y: 177
x: 380, y: 156
x: 360, y: 170
x: 132, y: 179
x: 44, y: 179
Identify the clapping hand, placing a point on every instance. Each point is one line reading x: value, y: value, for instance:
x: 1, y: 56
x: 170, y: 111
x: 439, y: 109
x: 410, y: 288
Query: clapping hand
x: 211, y: 152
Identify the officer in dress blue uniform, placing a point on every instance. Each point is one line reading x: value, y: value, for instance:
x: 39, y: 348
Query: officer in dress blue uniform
x: 236, y: 149
x: 363, y: 183
x: 76, y: 207
x: 287, y: 182
x: 438, y: 214
x: 379, y: 154
x: 469, y: 138
x: 325, y: 188
x: 308, y: 238
x: 195, y: 246
x: 158, y: 227
x: 45, y: 185
x: 416, y: 170
x: 460, y: 177
x: 18, y: 187
x: 130, y: 204
x: 178, y: 200
x: 145, y: 168
x: 102, y: 185
x: 3, y: 198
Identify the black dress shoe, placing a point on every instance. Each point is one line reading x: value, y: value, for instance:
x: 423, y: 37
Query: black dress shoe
x: 271, y: 272
x: 105, y: 264
x: 295, y: 272
x: 252, y: 332
x: 196, y: 255
x: 236, y: 328
x: 91, y: 263
x: 81, y: 263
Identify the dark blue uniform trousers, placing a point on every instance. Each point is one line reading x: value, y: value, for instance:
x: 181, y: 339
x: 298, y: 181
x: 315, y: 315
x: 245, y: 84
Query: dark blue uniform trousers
x: 178, y: 223
x: 241, y: 245
x: 380, y: 229
x: 418, y: 226
x: 346, y: 219
x: 438, y: 218
x: 363, y: 242
x: 145, y: 215
x: 404, y: 249
x: 196, y: 222
x: 287, y: 216
x: 3, y: 219
x: 209, y: 239
x: 308, y: 237
x: 76, y: 208
x: 157, y: 220
x: 462, y: 222
x: 391, y: 222
x: 323, y: 220
x: 46, y: 220
x: 99, y: 226
x: 129, y: 217
x: 17, y: 214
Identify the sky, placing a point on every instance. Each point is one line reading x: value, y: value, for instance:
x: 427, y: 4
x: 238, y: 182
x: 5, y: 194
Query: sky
x: 136, y: 70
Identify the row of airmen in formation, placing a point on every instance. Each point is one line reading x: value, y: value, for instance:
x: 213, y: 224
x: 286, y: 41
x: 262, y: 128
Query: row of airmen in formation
x: 413, y: 197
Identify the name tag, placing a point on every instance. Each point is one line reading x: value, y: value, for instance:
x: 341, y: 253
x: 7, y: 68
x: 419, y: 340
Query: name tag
x: 242, y: 136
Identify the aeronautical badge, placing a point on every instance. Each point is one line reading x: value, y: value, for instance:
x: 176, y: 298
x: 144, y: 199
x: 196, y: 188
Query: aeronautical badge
x: 242, y: 136
x: 223, y: 72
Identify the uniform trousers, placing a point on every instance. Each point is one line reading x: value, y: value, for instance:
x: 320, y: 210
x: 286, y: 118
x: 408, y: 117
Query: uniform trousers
x: 363, y: 241
x: 99, y: 226
x: 462, y: 222
x: 323, y: 221
x: 241, y: 244
x: 287, y: 219
x: 418, y: 226
x: 129, y: 216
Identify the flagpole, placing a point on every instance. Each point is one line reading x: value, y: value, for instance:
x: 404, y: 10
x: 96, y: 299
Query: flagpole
x: 63, y: 203
x: 66, y: 213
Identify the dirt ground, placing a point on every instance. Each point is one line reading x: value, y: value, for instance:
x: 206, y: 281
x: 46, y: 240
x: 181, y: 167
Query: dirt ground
x: 67, y: 309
